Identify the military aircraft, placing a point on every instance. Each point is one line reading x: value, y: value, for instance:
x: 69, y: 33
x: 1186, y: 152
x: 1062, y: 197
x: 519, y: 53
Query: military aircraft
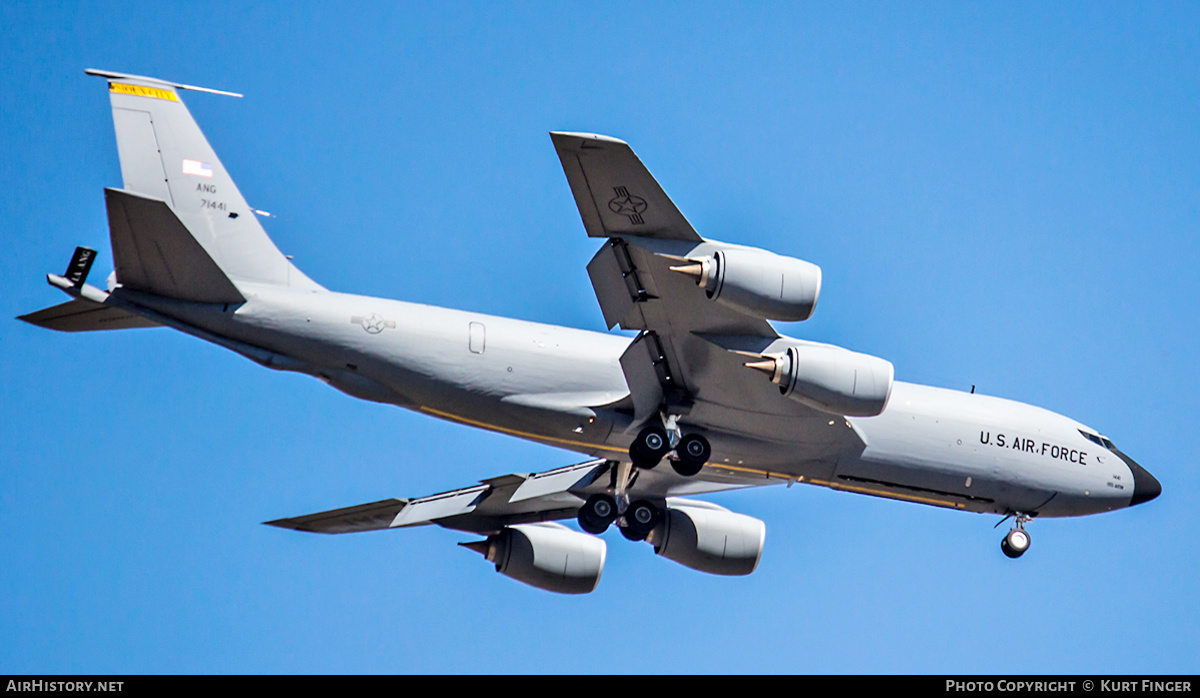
x: 707, y: 385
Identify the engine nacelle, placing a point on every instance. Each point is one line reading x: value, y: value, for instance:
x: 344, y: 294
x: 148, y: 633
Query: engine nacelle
x: 548, y: 556
x: 709, y: 538
x: 831, y: 379
x: 759, y: 283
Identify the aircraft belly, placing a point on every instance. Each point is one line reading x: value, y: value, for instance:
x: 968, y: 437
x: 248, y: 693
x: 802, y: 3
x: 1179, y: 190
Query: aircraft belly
x: 533, y: 381
x: 523, y: 378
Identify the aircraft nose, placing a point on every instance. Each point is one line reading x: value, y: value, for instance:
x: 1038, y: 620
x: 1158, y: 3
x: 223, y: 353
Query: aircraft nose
x: 1145, y: 485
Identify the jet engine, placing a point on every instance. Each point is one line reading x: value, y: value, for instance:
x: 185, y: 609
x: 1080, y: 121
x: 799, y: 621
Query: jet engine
x: 831, y: 379
x: 757, y: 282
x: 708, y: 538
x: 548, y: 556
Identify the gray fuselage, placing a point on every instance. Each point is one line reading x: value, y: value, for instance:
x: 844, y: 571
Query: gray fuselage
x: 565, y: 387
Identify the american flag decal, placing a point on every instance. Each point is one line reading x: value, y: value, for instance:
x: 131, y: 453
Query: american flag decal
x: 195, y: 167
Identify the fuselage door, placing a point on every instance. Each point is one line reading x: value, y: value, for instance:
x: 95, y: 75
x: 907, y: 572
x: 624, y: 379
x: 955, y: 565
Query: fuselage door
x: 478, y: 338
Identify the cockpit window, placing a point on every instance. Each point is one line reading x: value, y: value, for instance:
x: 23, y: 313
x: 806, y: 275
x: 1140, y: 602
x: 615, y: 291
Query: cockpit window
x: 1098, y: 440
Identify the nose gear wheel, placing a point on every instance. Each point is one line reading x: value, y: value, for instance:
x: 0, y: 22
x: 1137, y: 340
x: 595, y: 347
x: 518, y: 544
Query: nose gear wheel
x: 1017, y: 541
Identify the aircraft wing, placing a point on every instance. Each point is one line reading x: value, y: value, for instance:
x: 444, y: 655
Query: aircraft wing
x: 615, y: 192
x: 493, y: 504
x: 620, y: 200
x: 691, y: 353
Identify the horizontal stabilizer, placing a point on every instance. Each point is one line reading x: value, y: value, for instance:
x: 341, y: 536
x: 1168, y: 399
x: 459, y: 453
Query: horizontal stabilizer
x: 154, y: 252
x: 82, y: 315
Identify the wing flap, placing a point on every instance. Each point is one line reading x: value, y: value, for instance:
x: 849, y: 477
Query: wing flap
x: 615, y: 290
x: 647, y: 374
x: 555, y: 482
x: 440, y: 506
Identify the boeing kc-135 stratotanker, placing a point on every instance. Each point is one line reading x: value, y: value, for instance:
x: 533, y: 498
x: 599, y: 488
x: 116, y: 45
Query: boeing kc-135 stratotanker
x: 707, y: 385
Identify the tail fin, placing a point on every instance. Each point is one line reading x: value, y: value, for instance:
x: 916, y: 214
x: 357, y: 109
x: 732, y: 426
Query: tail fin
x: 165, y: 156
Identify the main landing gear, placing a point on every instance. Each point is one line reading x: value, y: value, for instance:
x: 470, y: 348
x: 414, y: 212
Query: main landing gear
x: 638, y: 518
x: 1017, y: 541
x: 653, y: 443
x: 600, y: 511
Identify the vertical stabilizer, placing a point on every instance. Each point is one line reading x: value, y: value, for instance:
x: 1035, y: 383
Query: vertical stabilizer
x: 165, y: 156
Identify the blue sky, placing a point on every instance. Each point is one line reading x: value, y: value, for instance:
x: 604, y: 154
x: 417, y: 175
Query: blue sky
x: 1000, y: 194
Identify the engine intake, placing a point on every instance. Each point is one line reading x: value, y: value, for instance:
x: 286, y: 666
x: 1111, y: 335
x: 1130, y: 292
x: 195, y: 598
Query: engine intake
x: 831, y: 379
x: 548, y: 556
x: 757, y: 282
x: 708, y: 538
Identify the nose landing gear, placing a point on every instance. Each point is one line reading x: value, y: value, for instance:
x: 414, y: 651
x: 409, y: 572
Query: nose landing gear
x: 1017, y: 541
